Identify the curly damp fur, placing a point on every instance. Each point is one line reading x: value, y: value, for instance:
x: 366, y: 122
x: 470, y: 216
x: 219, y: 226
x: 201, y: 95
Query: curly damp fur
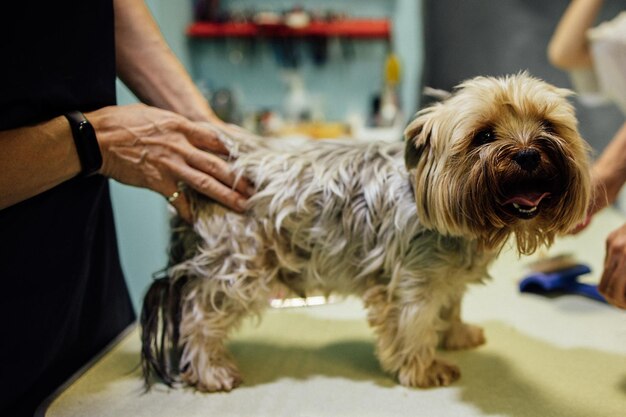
x: 314, y: 209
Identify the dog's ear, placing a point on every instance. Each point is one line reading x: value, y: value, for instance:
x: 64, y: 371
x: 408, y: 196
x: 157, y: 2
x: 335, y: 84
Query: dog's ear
x: 417, y: 142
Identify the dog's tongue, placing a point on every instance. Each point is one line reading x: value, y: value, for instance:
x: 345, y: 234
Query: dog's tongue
x: 527, y: 199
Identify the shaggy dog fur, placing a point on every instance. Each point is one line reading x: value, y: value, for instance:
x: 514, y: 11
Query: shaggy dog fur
x: 404, y: 226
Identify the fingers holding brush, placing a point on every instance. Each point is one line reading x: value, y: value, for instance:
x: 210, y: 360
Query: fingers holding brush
x: 613, y: 282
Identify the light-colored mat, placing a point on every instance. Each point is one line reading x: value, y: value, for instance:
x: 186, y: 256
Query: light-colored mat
x: 544, y: 357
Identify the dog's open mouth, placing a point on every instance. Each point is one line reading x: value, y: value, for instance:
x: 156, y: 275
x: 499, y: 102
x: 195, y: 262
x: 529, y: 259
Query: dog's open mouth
x: 525, y: 205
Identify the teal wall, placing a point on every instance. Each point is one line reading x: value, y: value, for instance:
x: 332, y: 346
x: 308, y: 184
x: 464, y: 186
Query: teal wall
x: 344, y: 85
x: 142, y: 216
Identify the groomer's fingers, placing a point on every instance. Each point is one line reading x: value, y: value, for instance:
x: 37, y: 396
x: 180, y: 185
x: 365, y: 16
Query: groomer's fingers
x: 220, y: 170
x: 619, y: 289
x: 205, y: 137
x: 620, y: 297
x: 202, y: 136
x: 178, y: 200
x: 610, y: 265
x: 216, y: 190
x: 613, y: 282
x: 613, y: 286
x: 211, y: 187
x: 183, y: 209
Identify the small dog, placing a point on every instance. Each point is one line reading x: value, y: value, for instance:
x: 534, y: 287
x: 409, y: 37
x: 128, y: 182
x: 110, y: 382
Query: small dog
x: 404, y: 226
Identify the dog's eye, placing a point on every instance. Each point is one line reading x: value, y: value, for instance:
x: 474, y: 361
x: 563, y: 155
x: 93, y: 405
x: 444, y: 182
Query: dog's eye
x: 548, y: 127
x: 484, y: 136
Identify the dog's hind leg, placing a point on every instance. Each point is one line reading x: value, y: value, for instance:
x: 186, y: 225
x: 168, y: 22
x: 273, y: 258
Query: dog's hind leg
x: 210, y: 312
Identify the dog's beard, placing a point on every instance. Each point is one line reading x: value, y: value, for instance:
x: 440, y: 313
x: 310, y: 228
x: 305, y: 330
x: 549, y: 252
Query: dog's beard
x: 512, y: 163
x: 536, y: 206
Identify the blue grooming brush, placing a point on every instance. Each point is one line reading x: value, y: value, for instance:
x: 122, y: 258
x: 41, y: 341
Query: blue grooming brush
x: 559, y: 275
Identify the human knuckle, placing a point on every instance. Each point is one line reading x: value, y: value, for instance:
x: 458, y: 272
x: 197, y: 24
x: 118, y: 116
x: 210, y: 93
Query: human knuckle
x: 195, y: 129
x: 171, y: 121
x: 207, y: 183
x: 212, y: 166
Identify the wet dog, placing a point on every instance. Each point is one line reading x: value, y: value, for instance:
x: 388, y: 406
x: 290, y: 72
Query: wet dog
x: 405, y: 226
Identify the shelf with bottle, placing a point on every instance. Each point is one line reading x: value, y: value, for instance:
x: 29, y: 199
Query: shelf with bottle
x: 353, y: 28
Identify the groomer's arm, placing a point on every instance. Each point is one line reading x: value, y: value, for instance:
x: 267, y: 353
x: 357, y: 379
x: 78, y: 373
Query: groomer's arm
x: 168, y: 149
x: 609, y: 171
x: 568, y: 48
x: 146, y: 64
x: 34, y: 159
x: 154, y: 147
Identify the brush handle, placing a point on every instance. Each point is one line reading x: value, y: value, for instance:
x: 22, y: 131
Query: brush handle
x: 562, y: 281
x: 588, y: 290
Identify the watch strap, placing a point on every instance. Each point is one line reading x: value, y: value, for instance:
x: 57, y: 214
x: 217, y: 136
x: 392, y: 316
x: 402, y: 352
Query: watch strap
x: 86, y: 143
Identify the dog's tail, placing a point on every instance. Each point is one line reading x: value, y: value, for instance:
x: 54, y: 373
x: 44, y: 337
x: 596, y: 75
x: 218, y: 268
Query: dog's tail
x: 160, y: 319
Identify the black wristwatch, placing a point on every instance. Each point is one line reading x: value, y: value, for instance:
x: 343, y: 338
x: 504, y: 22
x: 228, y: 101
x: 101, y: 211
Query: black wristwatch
x: 86, y: 143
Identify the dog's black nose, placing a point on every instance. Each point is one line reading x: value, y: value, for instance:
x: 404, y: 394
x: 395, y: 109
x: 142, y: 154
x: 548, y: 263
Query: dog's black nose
x: 528, y: 159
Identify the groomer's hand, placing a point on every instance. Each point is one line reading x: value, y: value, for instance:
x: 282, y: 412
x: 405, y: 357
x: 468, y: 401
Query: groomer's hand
x: 613, y: 283
x: 156, y: 149
x: 608, y: 176
x: 604, y: 189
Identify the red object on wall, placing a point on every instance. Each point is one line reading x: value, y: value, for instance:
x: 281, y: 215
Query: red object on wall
x: 354, y: 28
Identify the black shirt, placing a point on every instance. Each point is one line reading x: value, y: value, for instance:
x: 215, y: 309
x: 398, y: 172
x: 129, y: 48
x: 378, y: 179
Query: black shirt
x: 62, y: 292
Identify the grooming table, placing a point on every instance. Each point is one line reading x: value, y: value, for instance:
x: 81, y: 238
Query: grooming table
x: 558, y: 356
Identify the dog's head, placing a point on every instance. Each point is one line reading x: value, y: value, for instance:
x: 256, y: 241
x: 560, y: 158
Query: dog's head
x: 500, y: 156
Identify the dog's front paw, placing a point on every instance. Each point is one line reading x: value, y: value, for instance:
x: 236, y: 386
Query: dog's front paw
x: 463, y: 336
x: 439, y: 374
x: 213, y: 378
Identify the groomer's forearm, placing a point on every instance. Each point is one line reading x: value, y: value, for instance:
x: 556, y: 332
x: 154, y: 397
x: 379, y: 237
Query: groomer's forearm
x: 34, y: 159
x: 610, y: 168
x: 569, y: 48
x: 146, y: 64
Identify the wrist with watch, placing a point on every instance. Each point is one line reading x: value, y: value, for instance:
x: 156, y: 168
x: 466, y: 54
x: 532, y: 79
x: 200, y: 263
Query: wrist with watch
x: 86, y: 143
